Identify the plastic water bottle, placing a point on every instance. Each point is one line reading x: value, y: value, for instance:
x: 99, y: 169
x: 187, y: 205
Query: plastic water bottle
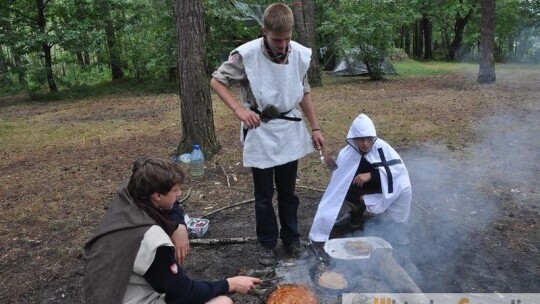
x: 196, y: 163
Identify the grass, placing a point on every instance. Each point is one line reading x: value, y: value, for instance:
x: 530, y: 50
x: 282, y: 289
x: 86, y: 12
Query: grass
x: 74, y: 122
x: 99, y: 89
x: 409, y: 68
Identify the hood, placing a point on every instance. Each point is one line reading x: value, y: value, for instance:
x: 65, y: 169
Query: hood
x: 362, y: 126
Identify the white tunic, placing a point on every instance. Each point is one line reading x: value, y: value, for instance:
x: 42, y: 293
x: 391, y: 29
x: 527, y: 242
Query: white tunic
x: 277, y: 141
x: 138, y: 290
x: 397, y: 202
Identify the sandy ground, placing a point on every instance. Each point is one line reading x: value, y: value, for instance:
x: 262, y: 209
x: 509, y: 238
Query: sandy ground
x: 474, y: 220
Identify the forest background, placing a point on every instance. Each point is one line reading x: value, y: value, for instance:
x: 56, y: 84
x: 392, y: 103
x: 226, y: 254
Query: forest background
x: 54, y: 45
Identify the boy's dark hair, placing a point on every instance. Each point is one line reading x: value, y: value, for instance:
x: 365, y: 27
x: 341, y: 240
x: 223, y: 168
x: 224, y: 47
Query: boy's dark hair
x: 151, y: 175
x: 278, y: 17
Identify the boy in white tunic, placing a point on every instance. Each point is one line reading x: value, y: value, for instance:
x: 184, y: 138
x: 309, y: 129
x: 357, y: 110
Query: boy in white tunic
x: 370, y: 177
x: 272, y: 73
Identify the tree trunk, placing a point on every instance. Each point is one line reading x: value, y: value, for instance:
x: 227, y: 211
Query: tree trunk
x: 115, y: 58
x: 86, y: 57
x: 428, y: 34
x: 417, y: 40
x: 373, y: 61
x: 195, y: 100
x: 407, y: 46
x: 3, y: 66
x: 80, y: 58
x: 45, y: 46
x: 4, y: 77
x: 17, y: 64
x: 172, y: 70
x: 486, y: 73
x: 304, y: 12
x: 114, y: 50
x: 456, y: 51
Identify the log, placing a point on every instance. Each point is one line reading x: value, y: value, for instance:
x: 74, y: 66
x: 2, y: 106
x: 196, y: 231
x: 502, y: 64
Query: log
x: 382, y: 262
x: 222, y: 241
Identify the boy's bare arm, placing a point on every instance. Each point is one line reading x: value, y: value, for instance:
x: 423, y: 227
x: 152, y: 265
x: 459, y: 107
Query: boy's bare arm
x: 250, y: 118
x: 309, y: 111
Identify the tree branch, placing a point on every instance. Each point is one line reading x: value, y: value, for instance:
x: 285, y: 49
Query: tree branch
x: 251, y: 200
x: 227, y: 176
x: 229, y: 206
x: 310, y: 188
x: 185, y: 197
x: 29, y: 19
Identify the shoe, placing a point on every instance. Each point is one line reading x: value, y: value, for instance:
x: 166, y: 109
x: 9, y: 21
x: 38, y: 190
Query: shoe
x: 297, y: 250
x: 343, y: 220
x: 344, y: 214
x: 267, y: 256
x: 356, y: 220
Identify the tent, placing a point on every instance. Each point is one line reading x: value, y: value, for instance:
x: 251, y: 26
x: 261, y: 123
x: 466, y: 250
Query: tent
x: 350, y: 65
x: 252, y: 13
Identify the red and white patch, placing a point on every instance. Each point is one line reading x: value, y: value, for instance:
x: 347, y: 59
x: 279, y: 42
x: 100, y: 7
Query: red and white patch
x: 173, y: 268
x: 234, y: 57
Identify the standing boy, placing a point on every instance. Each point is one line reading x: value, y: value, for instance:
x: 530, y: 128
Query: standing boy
x: 272, y: 74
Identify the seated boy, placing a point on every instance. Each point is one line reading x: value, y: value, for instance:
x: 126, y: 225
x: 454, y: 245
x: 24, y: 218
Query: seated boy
x: 131, y: 258
x: 370, y: 177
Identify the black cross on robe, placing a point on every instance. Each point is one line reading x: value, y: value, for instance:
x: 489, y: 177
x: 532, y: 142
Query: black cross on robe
x: 386, y: 165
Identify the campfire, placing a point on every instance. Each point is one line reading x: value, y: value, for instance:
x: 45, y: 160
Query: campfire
x: 352, y: 265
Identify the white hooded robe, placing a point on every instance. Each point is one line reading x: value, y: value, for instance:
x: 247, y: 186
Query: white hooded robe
x: 396, y: 187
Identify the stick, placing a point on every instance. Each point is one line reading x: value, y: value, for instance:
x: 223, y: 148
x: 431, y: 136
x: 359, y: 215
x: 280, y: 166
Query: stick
x: 222, y: 241
x: 422, y: 208
x: 309, y: 188
x: 185, y: 197
x: 251, y: 200
x: 222, y: 169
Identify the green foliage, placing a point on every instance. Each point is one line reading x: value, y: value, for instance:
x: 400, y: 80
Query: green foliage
x: 226, y: 30
x: 145, y: 34
x: 148, y: 36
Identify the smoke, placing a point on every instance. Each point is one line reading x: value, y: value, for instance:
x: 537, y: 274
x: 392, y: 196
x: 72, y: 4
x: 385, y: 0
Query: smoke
x: 457, y: 195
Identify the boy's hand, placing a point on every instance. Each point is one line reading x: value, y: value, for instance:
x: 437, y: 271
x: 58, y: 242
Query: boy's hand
x: 362, y: 178
x: 242, y: 284
x: 181, y: 243
x: 250, y: 119
x: 317, y: 139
